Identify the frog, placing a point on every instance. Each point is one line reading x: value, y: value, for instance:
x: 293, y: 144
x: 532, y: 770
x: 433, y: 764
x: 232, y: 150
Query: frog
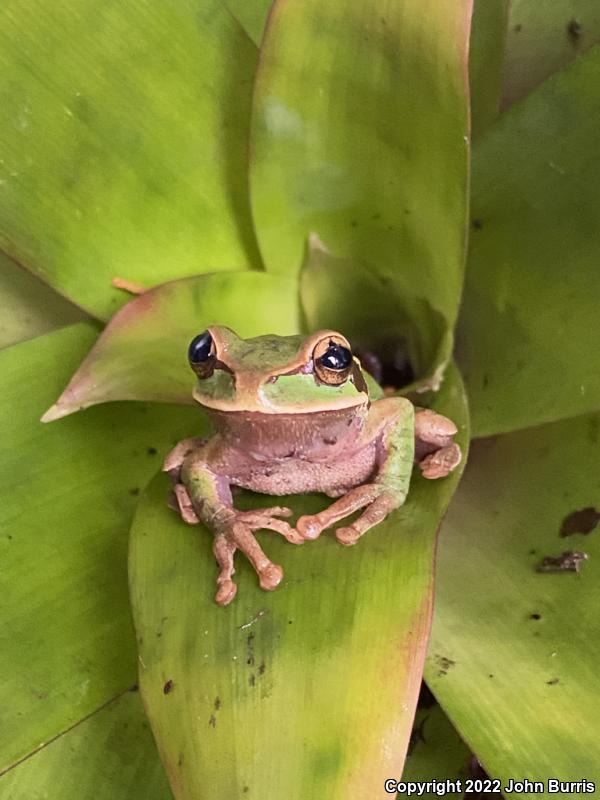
x: 296, y: 414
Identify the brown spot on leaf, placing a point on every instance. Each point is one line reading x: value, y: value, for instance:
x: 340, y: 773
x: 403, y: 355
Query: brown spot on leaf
x: 477, y: 224
x: 582, y: 521
x: 212, y: 721
x: 553, y: 681
x: 168, y: 687
x: 152, y: 451
x: 217, y: 703
x: 535, y: 615
x: 444, y: 664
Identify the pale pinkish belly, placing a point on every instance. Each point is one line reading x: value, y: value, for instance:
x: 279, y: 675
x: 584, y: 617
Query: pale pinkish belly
x: 295, y: 476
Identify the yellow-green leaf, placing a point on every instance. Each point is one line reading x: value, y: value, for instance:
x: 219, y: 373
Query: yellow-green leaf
x: 123, y: 130
x: 29, y: 307
x: 486, y: 59
x: 68, y: 494
x: 530, y: 330
x: 514, y: 652
x: 109, y: 756
x: 251, y: 14
x: 359, y: 135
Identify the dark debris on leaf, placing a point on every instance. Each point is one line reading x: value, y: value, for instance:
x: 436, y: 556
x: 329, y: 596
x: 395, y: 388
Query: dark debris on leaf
x: 569, y: 561
x: 574, y: 31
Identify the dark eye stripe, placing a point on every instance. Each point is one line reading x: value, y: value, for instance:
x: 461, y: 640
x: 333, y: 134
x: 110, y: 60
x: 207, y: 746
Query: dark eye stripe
x: 200, y: 348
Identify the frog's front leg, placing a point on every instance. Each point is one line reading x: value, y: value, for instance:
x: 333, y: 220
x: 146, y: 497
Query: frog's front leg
x: 390, y: 426
x: 211, y: 499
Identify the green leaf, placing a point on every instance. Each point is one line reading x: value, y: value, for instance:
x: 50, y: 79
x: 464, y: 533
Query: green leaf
x: 237, y: 696
x: 68, y: 493
x: 109, y: 756
x: 252, y: 15
x: 359, y: 135
x: 544, y: 37
x: 514, y: 652
x: 530, y: 329
x: 123, y: 130
x: 29, y: 307
x: 142, y: 353
x: 368, y: 308
x: 436, y: 751
x: 486, y: 59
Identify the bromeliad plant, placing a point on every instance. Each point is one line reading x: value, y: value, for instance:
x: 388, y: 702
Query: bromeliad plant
x: 311, y: 177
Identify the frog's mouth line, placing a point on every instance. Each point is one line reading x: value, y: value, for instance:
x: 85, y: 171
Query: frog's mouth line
x: 269, y: 409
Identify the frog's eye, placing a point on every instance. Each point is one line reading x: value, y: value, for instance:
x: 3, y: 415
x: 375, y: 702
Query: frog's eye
x: 333, y: 361
x: 201, y: 354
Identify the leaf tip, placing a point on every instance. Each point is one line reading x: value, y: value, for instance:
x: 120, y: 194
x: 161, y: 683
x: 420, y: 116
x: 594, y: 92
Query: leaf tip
x: 56, y: 411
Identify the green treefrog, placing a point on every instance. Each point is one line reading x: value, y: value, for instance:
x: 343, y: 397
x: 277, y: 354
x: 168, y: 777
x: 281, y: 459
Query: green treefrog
x: 293, y: 414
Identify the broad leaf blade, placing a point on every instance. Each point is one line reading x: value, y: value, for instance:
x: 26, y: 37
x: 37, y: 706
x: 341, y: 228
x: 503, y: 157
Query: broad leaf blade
x: 109, y: 756
x: 142, y: 353
x: 68, y: 493
x: 359, y: 134
x: 237, y: 696
x: 530, y: 329
x: 123, y: 129
x: 29, y: 307
x: 544, y: 37
x: 514, y: 652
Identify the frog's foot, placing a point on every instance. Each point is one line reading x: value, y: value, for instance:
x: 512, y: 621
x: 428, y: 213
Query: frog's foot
x: 435, y: 451
x: 441, y: 462
x: 378, y: 501
x: 238, y: 534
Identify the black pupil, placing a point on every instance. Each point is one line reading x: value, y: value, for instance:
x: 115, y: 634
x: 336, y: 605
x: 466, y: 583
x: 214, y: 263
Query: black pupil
x: 200, y: 348
x: 336, y: 357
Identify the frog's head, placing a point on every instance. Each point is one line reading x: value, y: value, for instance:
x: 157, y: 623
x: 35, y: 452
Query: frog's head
x: 276, y: 374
